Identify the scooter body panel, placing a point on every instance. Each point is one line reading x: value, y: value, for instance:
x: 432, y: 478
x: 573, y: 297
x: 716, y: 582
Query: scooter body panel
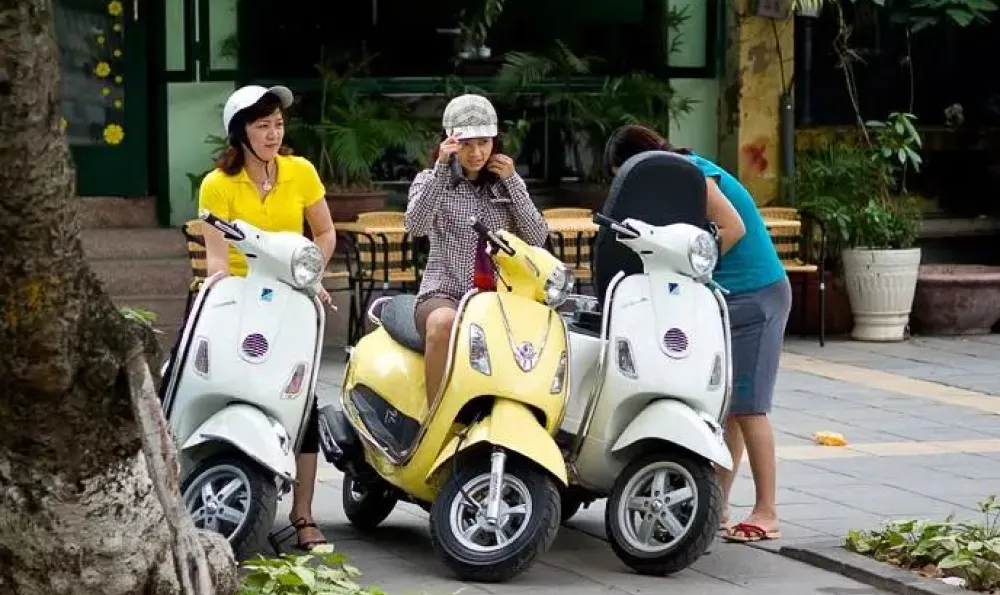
x: 251, y: 431
x: 391, y: 376
x: 245, y: 343
x: 665, y: 340
x: 671, y: 421
x: 514, y: 427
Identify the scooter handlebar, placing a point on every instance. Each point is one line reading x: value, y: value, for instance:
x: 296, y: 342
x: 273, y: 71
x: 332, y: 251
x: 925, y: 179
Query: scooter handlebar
x: 621, y: 228
x: 490, y: 237
x: 229, y: 231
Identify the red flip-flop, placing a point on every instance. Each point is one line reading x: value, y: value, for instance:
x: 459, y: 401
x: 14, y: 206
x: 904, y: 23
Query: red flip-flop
x: 749, y: 533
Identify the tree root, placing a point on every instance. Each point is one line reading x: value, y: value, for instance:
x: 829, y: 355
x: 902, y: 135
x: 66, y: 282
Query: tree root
x: 191, y: 564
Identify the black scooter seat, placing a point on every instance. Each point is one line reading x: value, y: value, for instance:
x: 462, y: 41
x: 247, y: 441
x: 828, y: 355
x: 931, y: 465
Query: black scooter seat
x: 398, y: 320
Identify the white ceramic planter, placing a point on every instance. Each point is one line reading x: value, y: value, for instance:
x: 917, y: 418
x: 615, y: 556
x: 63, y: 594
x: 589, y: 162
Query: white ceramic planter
x: 880, y: 286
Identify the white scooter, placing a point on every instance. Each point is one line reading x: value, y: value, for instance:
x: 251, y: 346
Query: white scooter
x: 242, y: 384
x: 651, y: 377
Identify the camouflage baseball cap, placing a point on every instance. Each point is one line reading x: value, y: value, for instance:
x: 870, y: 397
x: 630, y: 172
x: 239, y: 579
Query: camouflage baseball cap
x: 470, y: 116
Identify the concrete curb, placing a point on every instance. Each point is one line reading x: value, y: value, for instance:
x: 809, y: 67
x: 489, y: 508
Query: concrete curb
x: 833, y: 557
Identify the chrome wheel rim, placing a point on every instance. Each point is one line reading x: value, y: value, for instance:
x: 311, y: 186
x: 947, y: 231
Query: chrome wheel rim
x: 467, y: 516
x: 219, y: 499
x: 657, y: 507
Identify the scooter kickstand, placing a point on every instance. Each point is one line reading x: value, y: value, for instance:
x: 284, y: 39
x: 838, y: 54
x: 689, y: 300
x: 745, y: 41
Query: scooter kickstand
x: 497, y: 460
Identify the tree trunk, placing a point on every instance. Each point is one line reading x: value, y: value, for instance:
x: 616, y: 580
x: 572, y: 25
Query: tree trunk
x: 89, y: 500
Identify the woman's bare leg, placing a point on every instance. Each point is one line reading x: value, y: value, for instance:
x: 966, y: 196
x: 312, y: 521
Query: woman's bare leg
x: 758, y: 435
x: 437, y: 337
x: 302, y: 498
x: 734, y: 441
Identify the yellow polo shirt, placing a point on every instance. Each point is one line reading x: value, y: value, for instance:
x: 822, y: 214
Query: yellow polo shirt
x: 236, y: 197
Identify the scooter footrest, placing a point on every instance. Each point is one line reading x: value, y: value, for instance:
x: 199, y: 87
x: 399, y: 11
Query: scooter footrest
x: 337, y: 439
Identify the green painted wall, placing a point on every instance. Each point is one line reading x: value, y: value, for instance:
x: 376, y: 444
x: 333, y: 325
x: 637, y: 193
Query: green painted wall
x: 194, y: 108
x: 699, y: 129
x: 195, y: 111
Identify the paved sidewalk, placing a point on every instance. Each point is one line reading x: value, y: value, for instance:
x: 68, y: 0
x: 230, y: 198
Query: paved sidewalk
x: 924, y: 441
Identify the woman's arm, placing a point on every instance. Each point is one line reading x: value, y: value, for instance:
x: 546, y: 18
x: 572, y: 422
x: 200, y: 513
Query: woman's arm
x: 321, y: 224
x: 724, y: 215
x: 214, y: 201
x: 316, y: 211
x: 426, y: 193
x: 531, y: 226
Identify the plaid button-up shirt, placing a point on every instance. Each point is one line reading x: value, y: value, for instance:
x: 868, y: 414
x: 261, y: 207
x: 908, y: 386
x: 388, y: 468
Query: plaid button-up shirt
x: 441, y: 211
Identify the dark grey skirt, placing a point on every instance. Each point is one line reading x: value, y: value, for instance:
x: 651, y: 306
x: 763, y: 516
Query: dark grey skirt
x: 757, y: 319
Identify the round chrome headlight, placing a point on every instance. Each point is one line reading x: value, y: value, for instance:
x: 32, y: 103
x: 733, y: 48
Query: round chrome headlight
x: 703, y: 254
x: 558, y: 286
x: 307, y: 265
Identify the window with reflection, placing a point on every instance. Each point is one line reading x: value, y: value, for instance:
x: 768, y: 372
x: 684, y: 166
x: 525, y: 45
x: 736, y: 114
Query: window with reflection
x: 91, y: 37
x: 420, y: 38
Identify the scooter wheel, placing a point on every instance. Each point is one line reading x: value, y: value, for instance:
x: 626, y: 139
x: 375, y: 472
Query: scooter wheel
x: 239, y: 504
x: 663, y: 512
x: 530, y: 514
x: 367, y: 504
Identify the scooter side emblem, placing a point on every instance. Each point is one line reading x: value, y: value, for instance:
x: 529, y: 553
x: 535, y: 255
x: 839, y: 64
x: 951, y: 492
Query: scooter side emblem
x: 526, y: 356
x: 266, y: 294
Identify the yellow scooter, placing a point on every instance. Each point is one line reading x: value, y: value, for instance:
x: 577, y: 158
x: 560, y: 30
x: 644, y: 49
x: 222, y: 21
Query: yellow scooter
x: 483, y: 460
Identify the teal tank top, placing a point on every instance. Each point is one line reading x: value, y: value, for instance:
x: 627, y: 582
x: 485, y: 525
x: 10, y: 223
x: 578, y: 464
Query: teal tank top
x: 753, y: 262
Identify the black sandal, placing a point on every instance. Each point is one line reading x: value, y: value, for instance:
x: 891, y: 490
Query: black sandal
x: 277, y: 538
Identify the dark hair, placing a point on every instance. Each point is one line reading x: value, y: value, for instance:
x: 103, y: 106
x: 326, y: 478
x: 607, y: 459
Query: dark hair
x: 628, y: 141
x: 233, y: 159
x: 486, y: 177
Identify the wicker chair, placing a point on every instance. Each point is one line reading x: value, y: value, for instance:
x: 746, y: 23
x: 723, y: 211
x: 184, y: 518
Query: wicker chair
x: 379, y: 259
x: 575, y: 250
x: 788, y: 241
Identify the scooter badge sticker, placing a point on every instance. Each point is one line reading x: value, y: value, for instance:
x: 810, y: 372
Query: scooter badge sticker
x: 266, y: 294
x: 525, y: 356
x: 673, y: 289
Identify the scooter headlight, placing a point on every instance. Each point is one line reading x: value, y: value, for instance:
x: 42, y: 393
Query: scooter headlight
x: 558, y: 286
x: 307, y: 265
x: 703, y: 254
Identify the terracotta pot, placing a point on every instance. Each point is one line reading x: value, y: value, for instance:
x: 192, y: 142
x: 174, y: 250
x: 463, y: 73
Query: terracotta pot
x: 804, y: 317
x: 345, y: 206
x: 956, y: 299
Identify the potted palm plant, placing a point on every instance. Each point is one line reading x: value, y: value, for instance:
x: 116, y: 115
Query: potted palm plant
x: 351, y: 133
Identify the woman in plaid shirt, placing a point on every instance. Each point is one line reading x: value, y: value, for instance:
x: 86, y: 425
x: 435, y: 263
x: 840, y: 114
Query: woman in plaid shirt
x: 440, y: 205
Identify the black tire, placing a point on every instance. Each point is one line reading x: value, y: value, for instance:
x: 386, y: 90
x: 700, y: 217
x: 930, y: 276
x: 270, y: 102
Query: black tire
x: 375, y: 504
x: 694, y: 543
x: 250, y: 537
x: 571, y: 504
x: 521, y: 553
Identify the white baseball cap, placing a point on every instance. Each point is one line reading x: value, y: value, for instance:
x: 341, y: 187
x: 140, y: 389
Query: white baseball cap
x: 245, y: 97
x: 470, y: 116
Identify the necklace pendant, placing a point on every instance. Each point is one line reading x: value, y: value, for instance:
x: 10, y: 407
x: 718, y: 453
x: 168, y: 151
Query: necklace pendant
x: 266, y: 185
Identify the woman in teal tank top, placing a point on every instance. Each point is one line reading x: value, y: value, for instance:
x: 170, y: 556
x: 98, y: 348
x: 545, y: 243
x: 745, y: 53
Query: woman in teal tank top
x: 759, y: 301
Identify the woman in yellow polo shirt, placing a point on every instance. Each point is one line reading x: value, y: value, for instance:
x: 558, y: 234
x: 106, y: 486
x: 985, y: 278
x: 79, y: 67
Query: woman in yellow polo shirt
x: 259, y: 181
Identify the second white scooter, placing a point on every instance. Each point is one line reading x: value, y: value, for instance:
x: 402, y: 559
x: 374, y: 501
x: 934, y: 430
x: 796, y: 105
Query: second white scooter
x: 650, y: 372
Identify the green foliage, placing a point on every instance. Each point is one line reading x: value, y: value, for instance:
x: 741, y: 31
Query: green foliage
x: 588, y: 118
x: 140, y: 315
x: 320, y: 572
x: 970, y: 551
x: 355, y: 129
x: 848, y: 188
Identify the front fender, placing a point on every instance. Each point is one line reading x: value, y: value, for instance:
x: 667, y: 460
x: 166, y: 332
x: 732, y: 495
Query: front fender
x: 513, y: 426
x: 673, y: 421
x: 251, y: 431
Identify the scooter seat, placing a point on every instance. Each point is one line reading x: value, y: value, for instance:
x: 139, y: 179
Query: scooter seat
x: 398, y: 320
